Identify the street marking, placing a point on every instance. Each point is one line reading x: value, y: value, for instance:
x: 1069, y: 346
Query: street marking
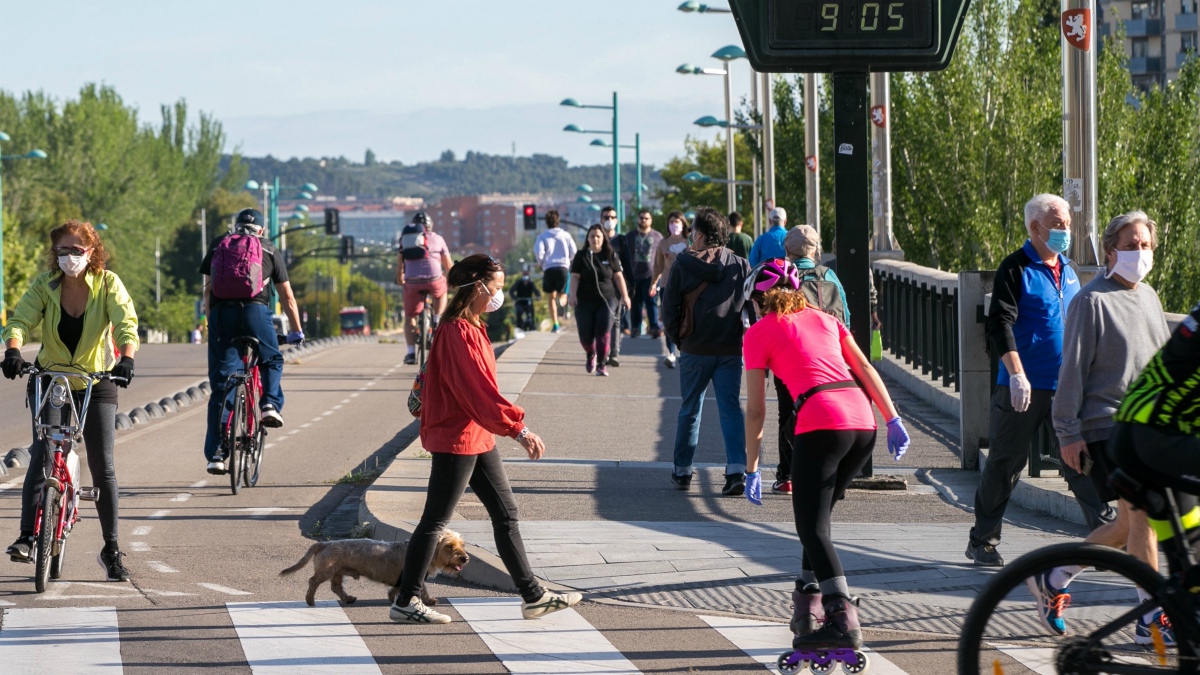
x: 181, y: 497
x: 141, y: 531
x: 1042, y: 660
x: 764, y: 641
x: 85, y: 641
x: 169, y: 594
x: 308, y: 424
x: 9, y: 484
x: 562, y: 642
x: 224, y: 589
x: 372, y: 383
x: 354, y: 395
x: 262, y: 511
x: 57, y: 591
x: 139, y: 547
x: 345, y: 401
x: 161, y: 567
x: 284, y: 638
x: 5, y: 603
x: 328, y: 412
x: 362, y: 389
x: 282, y: 439
x: 160, y: 514
x: 293, y: 432
x: 198, y: 484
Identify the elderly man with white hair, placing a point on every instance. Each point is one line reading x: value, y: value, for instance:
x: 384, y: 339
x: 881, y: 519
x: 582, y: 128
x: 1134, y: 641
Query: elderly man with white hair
x: 1033, y: 288
x: 1114, y: 327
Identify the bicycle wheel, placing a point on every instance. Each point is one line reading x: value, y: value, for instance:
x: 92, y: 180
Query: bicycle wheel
x: 45, y: 538
x: 1004, y: 632
x: 422, y: 332
x: 252, y: 457
x: 57, y: 560
x: 236, y: 439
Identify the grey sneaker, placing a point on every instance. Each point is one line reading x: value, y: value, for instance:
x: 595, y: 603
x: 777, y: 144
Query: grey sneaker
x: 985, y: 555
x: 271, y: 417
x: 549, y: 602
x: 416, y: 612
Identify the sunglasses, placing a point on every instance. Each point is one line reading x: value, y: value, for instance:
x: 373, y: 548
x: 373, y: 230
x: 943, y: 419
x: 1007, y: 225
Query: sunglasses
x: 70, y: 250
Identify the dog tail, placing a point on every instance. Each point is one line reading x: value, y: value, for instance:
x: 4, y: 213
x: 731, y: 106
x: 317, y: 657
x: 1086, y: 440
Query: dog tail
x: 312, y: 550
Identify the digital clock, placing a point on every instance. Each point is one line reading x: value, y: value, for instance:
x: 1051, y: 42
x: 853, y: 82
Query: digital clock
x: 832, y: 36
x: 842, y: 24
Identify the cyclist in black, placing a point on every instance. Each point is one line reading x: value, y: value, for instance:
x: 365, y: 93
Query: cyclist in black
x: 523, y: 292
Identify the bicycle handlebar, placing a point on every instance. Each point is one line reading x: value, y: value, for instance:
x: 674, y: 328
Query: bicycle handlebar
x: 32, y: 369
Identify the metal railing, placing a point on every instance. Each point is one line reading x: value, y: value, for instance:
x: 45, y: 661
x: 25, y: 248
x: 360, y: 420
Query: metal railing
x: 918, y: 310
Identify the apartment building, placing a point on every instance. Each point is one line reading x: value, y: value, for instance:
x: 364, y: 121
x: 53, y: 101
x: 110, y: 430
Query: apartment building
x: 1159, y: 35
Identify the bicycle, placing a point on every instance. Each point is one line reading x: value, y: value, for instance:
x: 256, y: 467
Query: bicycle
x: 425, y: 322
x: 243, y: 434
x: 524, y: 314
x: 58, y: 495
x: 1003, y: 632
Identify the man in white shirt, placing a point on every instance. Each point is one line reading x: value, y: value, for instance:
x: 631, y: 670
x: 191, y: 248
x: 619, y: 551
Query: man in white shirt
x: 554, y: 249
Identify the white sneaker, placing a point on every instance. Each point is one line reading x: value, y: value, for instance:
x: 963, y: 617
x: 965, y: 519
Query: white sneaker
x: 669, y: 360
x: 217, y: 467
x: 548, y: 603
x: 416, y: 612
x: 271, y: 417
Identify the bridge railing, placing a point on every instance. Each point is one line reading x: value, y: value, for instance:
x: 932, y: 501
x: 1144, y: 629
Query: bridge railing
x: 918, y: 310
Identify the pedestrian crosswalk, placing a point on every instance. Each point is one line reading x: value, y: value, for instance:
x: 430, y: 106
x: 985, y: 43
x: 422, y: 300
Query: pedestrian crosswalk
x: 291, y: 638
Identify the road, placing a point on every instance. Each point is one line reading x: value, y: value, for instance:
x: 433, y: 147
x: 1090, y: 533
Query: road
x: 206, y: 591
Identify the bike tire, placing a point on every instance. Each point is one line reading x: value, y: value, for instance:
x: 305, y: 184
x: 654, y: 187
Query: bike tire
x: 237, y: 434
x: 45, y: 538
x: 1002, y: 632
x: 57, y: 561
x: 422, y: 333
x: 252, y: 458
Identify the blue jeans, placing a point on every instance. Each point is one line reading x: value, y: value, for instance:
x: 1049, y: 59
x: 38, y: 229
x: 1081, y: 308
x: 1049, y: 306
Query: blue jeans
x: 725, y: 372
x: 226, y: 322
x: 641, y: 299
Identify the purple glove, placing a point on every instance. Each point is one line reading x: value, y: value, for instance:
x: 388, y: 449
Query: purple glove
x: 754, y: 488
x: 295, y: 337
x: 897, y: 438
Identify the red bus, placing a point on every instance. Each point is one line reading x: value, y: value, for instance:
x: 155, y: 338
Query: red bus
x: 355, y: 321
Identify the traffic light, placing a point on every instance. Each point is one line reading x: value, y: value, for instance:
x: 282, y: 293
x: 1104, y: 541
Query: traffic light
x: 333, y: 225
x: 346, y: 249
x: 530, y: 217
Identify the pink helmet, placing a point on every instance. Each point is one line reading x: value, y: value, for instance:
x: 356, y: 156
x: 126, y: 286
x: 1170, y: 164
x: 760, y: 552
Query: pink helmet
x: 771, y: 273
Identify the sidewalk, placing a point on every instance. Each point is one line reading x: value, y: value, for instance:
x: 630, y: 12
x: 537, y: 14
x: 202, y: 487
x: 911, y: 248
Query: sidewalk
x: 599, y: 513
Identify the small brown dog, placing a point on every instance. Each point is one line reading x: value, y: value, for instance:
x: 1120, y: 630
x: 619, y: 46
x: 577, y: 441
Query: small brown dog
x: 376, y: 560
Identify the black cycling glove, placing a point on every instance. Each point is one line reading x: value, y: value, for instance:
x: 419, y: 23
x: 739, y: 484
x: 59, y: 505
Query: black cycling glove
x: 13, y: 363
x: 124, y: 368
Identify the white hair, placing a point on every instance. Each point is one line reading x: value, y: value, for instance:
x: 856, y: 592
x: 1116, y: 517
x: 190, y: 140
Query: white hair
x: 1040, y: 206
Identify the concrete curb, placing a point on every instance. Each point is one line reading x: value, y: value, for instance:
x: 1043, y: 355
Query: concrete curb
x: 394, y: 502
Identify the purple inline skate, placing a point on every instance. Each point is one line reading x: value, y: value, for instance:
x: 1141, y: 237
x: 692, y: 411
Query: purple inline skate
x: 837, y: 642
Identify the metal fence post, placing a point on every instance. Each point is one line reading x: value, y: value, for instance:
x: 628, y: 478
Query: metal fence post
x: 974, y: 370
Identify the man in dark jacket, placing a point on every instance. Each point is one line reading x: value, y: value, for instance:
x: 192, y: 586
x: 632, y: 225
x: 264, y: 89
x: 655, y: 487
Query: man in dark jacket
x: 1033, y: 289
x: 702, y: 313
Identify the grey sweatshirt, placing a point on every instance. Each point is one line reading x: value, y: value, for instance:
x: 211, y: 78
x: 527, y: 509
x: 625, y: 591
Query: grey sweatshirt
x: 1112, y: 332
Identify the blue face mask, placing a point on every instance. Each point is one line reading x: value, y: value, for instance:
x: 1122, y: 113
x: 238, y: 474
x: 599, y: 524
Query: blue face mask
x: 1058, y: 241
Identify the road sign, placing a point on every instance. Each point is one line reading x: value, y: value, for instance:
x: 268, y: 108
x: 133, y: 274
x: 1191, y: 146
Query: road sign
x: 830, y: 36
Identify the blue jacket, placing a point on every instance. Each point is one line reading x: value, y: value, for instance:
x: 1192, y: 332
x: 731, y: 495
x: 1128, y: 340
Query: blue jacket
x: 1028, y: 313
x: 768, y: 245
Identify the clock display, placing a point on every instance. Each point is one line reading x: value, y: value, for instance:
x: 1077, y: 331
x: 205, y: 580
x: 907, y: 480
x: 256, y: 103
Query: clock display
x: 852, y: 24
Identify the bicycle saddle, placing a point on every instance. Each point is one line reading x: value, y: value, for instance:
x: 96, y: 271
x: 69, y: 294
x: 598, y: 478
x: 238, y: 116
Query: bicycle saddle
x: 246, y: 341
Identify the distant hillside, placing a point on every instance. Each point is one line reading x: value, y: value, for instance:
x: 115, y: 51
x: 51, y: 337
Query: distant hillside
x: 476, y: 173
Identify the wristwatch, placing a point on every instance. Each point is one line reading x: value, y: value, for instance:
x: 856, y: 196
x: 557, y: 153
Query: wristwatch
x: 524, y: 432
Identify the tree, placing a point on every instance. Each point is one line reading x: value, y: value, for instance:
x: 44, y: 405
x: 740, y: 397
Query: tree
x: 369, y: 160
x: 709, y: 159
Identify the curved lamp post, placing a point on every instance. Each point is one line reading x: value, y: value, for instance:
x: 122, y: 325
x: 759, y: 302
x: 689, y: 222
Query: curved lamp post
x: 32, y: 154
x: 275, y: 233
x: 693, y: 6
x: 572, y: 103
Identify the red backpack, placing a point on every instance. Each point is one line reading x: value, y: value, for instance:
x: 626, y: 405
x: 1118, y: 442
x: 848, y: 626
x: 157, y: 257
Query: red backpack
x: 237, y: 267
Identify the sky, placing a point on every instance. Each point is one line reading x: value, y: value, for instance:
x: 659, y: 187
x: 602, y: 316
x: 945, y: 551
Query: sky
x: 406, y: 79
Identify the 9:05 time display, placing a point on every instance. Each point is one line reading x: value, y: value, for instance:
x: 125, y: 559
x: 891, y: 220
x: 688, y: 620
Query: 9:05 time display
x: 851, y: 24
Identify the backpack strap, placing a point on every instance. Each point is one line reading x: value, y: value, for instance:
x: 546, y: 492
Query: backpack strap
x: 803, y: 398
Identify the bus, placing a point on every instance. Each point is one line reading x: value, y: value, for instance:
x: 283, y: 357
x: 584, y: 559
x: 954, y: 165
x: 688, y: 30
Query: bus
x: 355, y: 321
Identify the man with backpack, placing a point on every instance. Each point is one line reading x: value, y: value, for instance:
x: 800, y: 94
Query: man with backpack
x: 424, y: 259
x: 236, y: 272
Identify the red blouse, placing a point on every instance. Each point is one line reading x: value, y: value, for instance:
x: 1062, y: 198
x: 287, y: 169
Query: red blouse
x: 461, y: 406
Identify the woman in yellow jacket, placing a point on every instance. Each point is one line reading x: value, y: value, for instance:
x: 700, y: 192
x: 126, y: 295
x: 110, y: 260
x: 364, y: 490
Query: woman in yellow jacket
x: 76, y: 303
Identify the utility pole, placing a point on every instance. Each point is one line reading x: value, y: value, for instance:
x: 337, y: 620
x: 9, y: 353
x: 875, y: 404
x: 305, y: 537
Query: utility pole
x: 812, y: 167
x: 768, y: 144
x: 203, y: 233
x: 157, y: 274
x: 881, y: 161
x: 1079, y: 127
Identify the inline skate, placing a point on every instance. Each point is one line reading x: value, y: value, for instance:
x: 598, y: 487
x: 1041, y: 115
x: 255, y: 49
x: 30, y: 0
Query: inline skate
x: 837, y: 642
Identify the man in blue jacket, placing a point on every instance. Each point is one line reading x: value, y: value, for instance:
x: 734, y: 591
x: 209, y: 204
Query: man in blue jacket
x: 1033, y: 288
x: 770, y: 243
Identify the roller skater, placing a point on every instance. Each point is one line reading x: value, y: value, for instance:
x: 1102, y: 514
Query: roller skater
x: 834, y: 438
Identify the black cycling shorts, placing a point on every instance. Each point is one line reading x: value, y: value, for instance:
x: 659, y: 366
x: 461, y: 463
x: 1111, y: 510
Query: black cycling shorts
x: 1101, y: 470
x: 554, y: 280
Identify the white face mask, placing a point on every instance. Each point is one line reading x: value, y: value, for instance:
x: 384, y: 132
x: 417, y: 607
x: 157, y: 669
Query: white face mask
x: 675, y: 228
x: 496, y: 300
x: 73, y: 265
x: 1132, y: 266
x: 610, y: 223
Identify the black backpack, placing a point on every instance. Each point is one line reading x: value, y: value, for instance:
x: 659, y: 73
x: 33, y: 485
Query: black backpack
x: 823, y: 294
x: 413, y: 243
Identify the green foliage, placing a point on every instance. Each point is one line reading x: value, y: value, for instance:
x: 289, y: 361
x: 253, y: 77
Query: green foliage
x: 105, y: 165
x: 176, y: 315
x: 709, y: 159
x: 476, y: 173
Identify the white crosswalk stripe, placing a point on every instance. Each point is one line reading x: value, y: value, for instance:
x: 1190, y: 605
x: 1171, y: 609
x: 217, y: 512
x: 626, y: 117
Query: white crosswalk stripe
x: 1041, y: 660
x: 86, y: 641
x: 290, y: 638
x: 563, y: 642
x: 765, y: 641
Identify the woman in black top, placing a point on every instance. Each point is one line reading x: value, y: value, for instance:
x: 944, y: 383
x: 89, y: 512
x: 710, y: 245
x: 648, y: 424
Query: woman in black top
x: 596, y: 283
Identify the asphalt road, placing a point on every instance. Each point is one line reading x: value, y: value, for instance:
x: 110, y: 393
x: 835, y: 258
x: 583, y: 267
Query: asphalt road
x: 206, y: 591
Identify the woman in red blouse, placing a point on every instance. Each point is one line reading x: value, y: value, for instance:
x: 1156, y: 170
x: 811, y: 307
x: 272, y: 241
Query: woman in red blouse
x: 461, y: 410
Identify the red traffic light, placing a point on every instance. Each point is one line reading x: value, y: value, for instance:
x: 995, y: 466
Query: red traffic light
x: 529, y: 210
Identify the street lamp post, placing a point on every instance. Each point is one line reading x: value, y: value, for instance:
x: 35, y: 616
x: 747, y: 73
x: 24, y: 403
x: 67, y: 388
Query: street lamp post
x: 32, y: 154
x: 617, y: 203
x: 726, y: 55
x: 637, y: 155
x: 275, y: 233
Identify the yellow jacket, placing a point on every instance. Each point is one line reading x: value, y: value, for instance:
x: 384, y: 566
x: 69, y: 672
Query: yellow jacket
x: 108, y: 305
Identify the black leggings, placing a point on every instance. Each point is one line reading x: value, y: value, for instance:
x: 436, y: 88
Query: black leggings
x: 99, y: 437
x: 448, y: 477
x: 595, y: 321
x: 787, y: 429
x: 824, y: 462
